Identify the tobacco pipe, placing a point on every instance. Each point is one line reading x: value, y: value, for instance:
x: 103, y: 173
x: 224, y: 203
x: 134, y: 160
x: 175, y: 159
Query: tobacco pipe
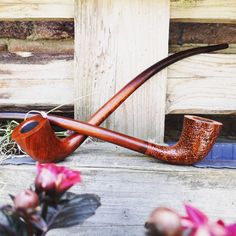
x: 75, y: 140
x: 37, y: 138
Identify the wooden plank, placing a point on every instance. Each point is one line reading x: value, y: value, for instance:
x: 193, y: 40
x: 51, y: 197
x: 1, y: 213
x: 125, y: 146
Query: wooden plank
x: 62, y: 70
x: 110, y: 50
x: 131, y: 186
x: 201, y: 33
x: 202, y: 84
x: 66, y: 110
x: 35, y: 30
x: 177, y: 48
x: 35, y: 80
x: 27, y: 81
x: 204, y: 66
x: 36, y: 9
x: 37, y: 46
x: 212, y: 95
x: 198, y: 73
x: 203, y: 10
x: 184, y: 10
x: 36, y: 91
x: 41, y: 46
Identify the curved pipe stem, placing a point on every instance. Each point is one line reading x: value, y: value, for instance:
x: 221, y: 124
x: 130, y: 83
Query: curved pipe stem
x: 197, y: 138
x: 109, y: 107
x: 75, y: 140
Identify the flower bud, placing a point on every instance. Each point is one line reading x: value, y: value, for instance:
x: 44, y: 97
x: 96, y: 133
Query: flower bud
x: 26, y: 200
x: 164, y: 222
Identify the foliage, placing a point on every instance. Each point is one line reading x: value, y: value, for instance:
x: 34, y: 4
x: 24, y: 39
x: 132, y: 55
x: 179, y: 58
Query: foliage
x: 48, y: 204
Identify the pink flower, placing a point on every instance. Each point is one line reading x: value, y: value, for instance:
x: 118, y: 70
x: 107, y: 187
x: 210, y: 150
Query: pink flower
x: 231, y: 230
x: 200, y: 225
x: 51, y: 177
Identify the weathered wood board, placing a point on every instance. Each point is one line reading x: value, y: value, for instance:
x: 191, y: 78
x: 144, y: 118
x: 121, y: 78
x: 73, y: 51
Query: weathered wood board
x: 36, y: 9
x: 36, y: 80
x: 189, y: 85
x: 112, y: 45
x: 35, y: 30
x: 203, y: 10
x: 201, y: 33
x: 197, y: 10
x: 131, y: 186
x: 203, y: 84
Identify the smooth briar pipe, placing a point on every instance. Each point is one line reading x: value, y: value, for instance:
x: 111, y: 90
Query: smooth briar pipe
x: 76, y: 140
x: 37, y: 138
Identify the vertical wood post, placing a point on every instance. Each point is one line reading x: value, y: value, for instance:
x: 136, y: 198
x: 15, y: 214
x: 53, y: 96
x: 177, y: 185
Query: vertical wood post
x: 114, y: 41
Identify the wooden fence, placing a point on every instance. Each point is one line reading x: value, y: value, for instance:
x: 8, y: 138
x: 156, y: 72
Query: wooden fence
x: 114, y: 41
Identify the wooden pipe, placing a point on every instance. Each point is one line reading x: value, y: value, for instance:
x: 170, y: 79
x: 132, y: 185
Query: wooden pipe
x: 76, y: 139
x: 37, y: 138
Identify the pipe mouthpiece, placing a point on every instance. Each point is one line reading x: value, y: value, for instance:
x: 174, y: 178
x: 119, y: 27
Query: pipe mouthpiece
x: 218, y: 47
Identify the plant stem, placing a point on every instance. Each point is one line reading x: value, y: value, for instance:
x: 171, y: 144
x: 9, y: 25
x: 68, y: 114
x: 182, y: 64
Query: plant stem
x: 29, y: 228
x: 45, y: 211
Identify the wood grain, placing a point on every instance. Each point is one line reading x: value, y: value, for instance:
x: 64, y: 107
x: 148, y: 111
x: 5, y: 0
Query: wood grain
x: 201, y: 33
x: 35, y: 30
x: 62, y: 70
x: 111, y: 50
x: 212, y: 95
x: 36, y: 9
x: 41, y: 46
x: 196, y: 77
x: 131, y: 186
x: 177, y: 48
x: 29, y: 91
x: 203, y: 66
x: 203, y: 10
x: 198, y: 10
x: 203, y: 84
x: 67, y: 110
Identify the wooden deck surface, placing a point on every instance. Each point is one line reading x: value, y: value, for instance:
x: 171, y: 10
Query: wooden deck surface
x: 130, y: 186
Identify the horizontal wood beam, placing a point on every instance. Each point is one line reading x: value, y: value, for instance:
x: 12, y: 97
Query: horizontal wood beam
x: 202, y: 84
x: 36, y: 9
x: 201, y: 33
x: 181, y: 10
x: 177, y: 48
x: 38, y: 80
x: 204, y: 66
x: 67, y: 109
x: 36, y: 91
x: 203, y: 10
x: 35, y: 30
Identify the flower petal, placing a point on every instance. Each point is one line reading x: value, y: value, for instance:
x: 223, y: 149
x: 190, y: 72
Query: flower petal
x: 195, y: 215
x: 231, y: 230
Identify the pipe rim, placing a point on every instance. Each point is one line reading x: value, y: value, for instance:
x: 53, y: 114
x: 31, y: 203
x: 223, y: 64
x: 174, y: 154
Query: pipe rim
x: 17, y: 134
x: 203, y: 120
